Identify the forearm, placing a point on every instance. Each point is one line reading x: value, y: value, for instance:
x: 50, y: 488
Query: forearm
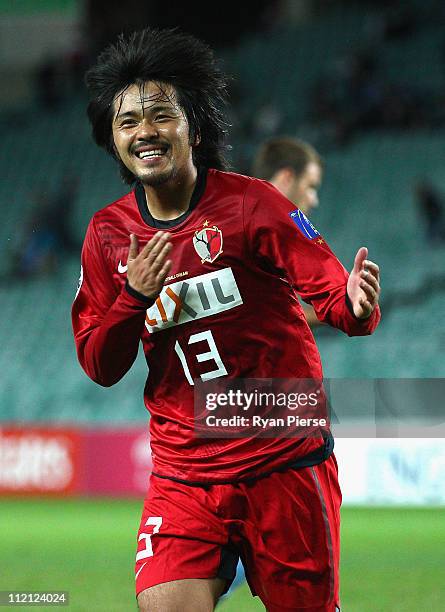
x: 108, y: 349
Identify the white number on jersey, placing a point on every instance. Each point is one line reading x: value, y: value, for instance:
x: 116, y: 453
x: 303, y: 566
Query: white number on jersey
x: 212, y: 354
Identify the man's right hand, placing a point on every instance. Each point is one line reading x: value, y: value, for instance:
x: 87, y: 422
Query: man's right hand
x: 148, y: 269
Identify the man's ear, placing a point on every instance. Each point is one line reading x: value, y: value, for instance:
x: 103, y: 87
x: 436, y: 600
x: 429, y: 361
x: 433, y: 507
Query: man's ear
x: 283, y: 178
x: 197, y: 140
x: 288, y: 175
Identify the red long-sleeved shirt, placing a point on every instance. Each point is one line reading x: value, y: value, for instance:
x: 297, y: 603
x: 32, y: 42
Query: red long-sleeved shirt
x: 228, y: 309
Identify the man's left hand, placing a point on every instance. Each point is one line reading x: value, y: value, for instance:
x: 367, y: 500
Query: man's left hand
x: 364, y: 285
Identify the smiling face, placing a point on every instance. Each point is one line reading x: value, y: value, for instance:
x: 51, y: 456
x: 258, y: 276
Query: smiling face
x: 151, y: 134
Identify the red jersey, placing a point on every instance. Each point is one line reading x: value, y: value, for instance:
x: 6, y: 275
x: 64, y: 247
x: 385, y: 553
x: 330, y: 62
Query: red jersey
x: 229, y: 308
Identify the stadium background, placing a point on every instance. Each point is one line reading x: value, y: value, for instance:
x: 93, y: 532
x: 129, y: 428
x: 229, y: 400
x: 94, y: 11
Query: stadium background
x: 365, y: 83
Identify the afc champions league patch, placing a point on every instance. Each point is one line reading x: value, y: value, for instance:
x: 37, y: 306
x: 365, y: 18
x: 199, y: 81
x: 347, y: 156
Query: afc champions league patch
x: 208, y: 242
x: 303, y: 224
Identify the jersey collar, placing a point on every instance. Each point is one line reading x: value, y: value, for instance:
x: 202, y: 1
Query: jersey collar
x: 141, y: 200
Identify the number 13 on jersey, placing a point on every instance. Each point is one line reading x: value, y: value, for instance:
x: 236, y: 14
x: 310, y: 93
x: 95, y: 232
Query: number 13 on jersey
x: 211, y: 355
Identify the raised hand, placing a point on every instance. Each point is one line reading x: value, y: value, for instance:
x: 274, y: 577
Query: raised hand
x: 364, y: 285
x: 148, y: 269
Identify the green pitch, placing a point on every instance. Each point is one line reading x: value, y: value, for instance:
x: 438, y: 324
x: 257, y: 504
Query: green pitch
x: 393, y: 559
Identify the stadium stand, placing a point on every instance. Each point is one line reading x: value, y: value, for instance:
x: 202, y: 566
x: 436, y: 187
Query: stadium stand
x: 366, y: 199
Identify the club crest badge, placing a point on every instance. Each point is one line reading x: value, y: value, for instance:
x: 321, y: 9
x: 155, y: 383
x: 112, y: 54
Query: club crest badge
x: 208, y: 242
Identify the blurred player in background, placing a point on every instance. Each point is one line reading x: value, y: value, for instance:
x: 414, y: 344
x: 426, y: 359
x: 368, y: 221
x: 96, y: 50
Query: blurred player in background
x: 296, y: 169
x: 201, y: 265
x: 292, y: 166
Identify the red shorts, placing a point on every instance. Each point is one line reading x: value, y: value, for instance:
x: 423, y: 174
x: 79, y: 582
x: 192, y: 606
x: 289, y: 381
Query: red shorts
x: 285, y: 528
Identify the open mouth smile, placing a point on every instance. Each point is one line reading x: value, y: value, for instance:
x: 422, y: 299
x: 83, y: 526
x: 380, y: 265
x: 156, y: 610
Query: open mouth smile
x: 150, y: 152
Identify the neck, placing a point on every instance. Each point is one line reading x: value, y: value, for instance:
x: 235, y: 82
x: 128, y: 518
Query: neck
x: 171, y: 199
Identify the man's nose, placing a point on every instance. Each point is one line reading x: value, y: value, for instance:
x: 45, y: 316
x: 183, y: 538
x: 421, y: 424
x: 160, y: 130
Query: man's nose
x: 147, y: 130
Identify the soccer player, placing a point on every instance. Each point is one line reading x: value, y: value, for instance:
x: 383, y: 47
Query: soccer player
x: 296, y: 169
x: 292, y: 166
x: 203, y: 266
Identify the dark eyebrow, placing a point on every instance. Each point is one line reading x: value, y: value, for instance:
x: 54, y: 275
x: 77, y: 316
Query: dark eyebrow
x: 156, y: 107
x: 161, y: 107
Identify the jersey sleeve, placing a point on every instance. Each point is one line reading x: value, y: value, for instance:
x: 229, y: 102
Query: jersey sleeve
x: 292, y: 248
x: 107, y: 323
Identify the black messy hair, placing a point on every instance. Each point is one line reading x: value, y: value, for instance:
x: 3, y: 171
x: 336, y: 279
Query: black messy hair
x: 165, y: 57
